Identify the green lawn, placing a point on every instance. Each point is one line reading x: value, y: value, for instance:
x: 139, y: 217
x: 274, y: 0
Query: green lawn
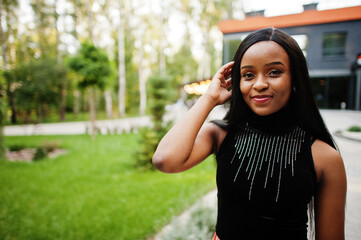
x: 92, y: 192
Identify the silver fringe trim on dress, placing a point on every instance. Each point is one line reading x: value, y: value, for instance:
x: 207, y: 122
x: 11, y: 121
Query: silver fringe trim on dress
x: 264, y: 150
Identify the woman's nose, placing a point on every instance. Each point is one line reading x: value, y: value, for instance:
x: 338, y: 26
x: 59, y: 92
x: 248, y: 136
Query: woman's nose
x: 261, y: 83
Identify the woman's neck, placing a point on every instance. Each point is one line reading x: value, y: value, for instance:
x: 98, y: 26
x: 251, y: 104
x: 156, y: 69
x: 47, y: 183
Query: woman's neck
x: 279, y: 121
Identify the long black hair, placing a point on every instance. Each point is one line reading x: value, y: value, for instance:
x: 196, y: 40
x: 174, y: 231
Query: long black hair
x: 301, y: 99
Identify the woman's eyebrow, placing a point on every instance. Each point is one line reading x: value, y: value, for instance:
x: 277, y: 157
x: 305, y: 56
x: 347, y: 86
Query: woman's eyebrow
x: 274, y: 63
x: 266, y: 65
x: 247, y: 66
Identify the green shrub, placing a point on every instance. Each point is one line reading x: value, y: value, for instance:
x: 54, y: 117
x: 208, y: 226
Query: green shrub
x: 16, y: 147
x: 160, y: 93
x: 40, y: 153
x: 50, y: 146
x: 354, y: 129
x: 148, y: 144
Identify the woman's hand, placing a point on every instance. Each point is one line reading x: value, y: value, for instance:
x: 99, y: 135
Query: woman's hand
x: 217, y: 90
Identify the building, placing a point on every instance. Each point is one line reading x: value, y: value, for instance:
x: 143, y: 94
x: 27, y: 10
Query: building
x: 330, y: 40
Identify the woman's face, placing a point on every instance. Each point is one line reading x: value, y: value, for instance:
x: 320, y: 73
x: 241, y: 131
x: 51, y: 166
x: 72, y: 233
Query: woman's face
x: 265, y: 77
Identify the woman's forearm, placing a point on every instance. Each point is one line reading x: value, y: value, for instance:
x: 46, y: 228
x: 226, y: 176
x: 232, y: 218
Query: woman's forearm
x: 177, y: 145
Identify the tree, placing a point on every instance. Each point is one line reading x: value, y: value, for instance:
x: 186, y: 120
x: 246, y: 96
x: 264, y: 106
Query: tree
x: 46, y: 34
x: 142, y: 80
x: 2, y: 117
x: 2, y: 93
x: 93, y: 67
x: 121, y: 62
x: 160, y: 93
x: 36, y: 87
x: 63, y: 87
x: 7, y: 14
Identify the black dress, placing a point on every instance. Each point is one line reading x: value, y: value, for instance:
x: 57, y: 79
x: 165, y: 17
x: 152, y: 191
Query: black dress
x: 265, y: 178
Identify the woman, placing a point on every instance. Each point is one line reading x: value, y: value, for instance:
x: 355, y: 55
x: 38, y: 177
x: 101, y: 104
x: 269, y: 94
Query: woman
x: 275, y: 156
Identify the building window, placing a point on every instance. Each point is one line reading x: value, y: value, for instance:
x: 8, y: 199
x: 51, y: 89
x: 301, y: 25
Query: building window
x: 302, y: 41
x: 334, y: 44
x: 230, y: 46
x: 332, y: 92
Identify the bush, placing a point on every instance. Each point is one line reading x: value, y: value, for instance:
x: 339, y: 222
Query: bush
x: 40, y: 153
x: 50, y: 146
x: 16, y: 147
x: 354, y: 129
x: 160, y: 94
x: 148, y: 144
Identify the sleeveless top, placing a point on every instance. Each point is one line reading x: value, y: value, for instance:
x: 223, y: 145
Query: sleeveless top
x: 265, y: 178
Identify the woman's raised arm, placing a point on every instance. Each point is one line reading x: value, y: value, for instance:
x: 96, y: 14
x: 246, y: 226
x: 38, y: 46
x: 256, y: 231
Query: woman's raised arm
x: 186, y: 144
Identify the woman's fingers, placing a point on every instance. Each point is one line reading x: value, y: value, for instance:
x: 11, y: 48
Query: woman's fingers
x: 226, y: 83
x: 224, y: 72
x: 220, y: 84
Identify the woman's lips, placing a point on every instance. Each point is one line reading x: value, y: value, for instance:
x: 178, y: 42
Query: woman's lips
x: 261, y: 98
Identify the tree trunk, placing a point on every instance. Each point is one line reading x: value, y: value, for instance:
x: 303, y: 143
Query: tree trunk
x: 27, y: 116
x: 90, y: 21
x: 62, y: 104
x: 63, y: 91
x: 121, y: 67
x: 92, y: 110
x: 11, y: 98
x: 200, y: 70
x: 3, y: 39
x: 92, y: 88
x: 76, y: 108
x: 207, y: 54
x: 108, y: 103
x: 142, y: 82
x: 163, y: 39
x: 2, y: 138
x: 39, y: 113
x: 2, y: 113
x: 56, y: 17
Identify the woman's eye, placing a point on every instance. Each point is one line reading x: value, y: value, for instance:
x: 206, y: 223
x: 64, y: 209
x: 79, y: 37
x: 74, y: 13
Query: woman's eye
x: 248, y: 75
x: 275, y: 73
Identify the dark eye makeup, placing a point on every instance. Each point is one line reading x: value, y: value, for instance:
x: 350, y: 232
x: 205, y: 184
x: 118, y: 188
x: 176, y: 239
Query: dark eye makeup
x: 275, y: 72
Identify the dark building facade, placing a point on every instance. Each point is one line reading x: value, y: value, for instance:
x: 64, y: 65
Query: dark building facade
x: 330, y: 40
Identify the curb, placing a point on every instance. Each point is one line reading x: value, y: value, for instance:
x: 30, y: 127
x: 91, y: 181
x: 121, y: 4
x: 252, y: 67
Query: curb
x: 207, y: 201
x: 341, y: 134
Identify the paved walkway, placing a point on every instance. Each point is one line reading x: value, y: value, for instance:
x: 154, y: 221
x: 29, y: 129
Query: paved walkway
x: 116, y: 126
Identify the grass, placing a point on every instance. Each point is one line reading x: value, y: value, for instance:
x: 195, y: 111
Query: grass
x: 93, y: 192
x: 354, y: 129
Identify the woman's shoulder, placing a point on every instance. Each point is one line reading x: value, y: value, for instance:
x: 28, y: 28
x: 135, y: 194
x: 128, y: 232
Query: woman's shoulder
x: 327, y: 160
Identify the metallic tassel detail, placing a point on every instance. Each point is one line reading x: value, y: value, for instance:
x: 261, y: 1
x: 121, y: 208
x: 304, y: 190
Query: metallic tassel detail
x: 255, y: 150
